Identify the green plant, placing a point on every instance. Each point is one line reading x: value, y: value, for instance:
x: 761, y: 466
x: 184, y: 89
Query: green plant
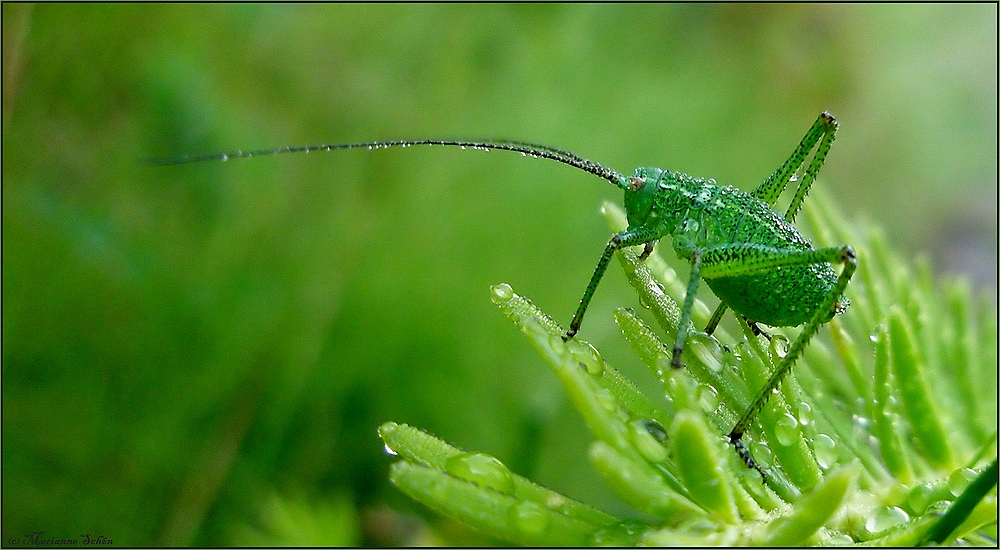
x: 881, y: 435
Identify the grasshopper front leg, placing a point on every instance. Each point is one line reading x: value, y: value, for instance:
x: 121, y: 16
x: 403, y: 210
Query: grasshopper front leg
x: 629, y: 237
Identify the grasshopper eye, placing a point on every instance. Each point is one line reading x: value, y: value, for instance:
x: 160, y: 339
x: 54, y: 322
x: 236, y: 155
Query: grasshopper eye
x: 635, y: 183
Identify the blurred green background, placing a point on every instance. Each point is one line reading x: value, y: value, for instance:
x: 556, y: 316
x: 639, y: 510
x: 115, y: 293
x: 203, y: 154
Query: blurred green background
x: 201, y: 354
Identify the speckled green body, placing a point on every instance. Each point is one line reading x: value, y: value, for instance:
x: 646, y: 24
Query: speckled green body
x: 701, y: 215
x: 752, y: 258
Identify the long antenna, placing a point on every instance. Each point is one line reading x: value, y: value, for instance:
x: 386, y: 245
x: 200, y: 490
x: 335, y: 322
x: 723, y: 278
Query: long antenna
x: 527, y: 149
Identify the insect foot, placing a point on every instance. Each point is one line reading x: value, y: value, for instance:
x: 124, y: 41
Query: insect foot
x: 675, y: 361
x: 744, y: 453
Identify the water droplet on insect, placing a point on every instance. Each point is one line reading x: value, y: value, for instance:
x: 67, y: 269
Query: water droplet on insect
x: 501, y: 293
x: 825, y: 449
x: 389, y: 451
x: 959, y: 480
x: 224, y: 157
x: 483, y: 470
x: 786, y: 429
x: 886, y: 517
x: 529, y: 518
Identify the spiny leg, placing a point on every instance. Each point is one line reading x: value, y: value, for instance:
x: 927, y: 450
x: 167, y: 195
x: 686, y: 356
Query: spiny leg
x: 685, y: 320
x: 825, y: 129
x: 713, y: 323
x: 629, y: 237
x: 844, y: 255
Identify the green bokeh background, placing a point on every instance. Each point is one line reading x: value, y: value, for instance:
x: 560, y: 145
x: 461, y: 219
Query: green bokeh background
x: 201, y: 354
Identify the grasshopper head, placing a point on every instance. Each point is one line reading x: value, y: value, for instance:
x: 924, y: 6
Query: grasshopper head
x: 640, y: 195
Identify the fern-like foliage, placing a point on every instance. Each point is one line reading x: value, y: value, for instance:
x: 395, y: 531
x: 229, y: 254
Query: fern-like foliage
x: 883, y: 434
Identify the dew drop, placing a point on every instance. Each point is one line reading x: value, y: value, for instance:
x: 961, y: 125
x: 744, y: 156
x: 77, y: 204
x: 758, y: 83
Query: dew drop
x: 825, y: 449
x: 588, y: 356
x: 529, y: 518
x: 786, y: 429
x: 959, y: 480
x: 644, y: 442
x: 779, y: 346
x: 389, y: 451
x: 557, y: 345
x: 483, y: 470
x: 861, y: 422
x: 707, y: 350
x: 886, y: 517
x: 501, y: 293
x: 656, y: 430
x: 555, y: 502
x: 762, y: 454
x: 708, y: 398
x: 920, y: 498
x: 681, y: 388
x: 805, y: 414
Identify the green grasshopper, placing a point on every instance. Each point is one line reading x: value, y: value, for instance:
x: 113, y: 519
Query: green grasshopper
x: 752, y: 258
